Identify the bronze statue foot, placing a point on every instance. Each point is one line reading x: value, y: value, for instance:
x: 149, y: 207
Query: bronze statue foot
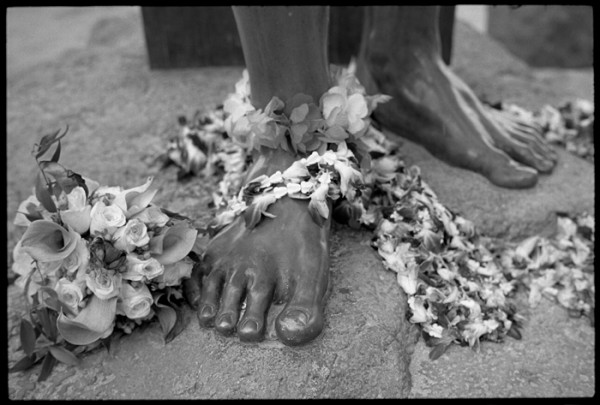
x: 283, y: 260
x: 435, y: 108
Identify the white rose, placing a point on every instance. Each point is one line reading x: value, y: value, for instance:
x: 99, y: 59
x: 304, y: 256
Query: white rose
x: 78, y: 213
x: 133, y: 234
x: 139, y: 269
x: 105, y: 219
x: 69, y: 293
x: 104, y: 283
x: 134, y: 302
x: 78, y: 259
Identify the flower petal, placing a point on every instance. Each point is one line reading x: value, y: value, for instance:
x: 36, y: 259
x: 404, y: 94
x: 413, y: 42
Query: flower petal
x: 176, y: 243
x: 92, y: 322
x: 47, y: 241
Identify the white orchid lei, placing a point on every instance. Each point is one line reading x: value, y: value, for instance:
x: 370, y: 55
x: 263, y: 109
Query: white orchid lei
x: 459, y: 284
x: 94, y: 260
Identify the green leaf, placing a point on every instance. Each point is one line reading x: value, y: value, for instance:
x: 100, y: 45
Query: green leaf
x: 167, y: 317
x: 43, y: 195
x: 180, y: 324
x: 64, y: 356
x: 173, y: 215
x: 28, y: 337
x: 56, y: 154
x: 47, y: 141
x: 438, y: 350
x: 49, y: 298
x: 23, y: 364
x: 191, y: 286
x: 48, y: 325
x: 514, y: 332
x: 47, y: 367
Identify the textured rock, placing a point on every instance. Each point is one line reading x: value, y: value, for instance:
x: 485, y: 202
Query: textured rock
x: 555, y: 358
x: 511, y: 214
x: 120, y: 114
x: 364, y: 351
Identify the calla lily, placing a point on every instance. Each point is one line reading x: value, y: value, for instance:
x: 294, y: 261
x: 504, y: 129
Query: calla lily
x: 174, y: 273
x: 174, y: 244
x: 93, y: 322
x: 152, y: 216
x: 30, y: 207
x: 79, y: 220
x: 46, y: 241
x: 135, y: 199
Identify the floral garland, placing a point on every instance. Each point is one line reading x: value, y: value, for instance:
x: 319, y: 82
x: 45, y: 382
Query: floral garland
x: 459, y: 284
x: 570, y: 125
x: 341, y: 116
x: 94, y: 259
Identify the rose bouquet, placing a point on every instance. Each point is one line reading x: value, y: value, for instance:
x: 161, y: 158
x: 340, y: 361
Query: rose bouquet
x: 94, y: 259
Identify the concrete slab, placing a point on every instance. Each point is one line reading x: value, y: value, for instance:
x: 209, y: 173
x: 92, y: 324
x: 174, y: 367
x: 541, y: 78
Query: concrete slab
x: 113, y: 104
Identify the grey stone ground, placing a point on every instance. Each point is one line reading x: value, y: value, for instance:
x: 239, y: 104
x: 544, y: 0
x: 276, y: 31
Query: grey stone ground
x: 120, y: 113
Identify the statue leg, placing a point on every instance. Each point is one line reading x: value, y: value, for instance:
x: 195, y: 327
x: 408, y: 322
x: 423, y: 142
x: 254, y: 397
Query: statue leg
x: 400, y: 56
x: 283, y: 259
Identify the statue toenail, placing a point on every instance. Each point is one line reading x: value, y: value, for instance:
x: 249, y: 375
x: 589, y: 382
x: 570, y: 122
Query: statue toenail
x: 295, y: 319
x: 207, y: 311
x: 225, y: 321
x: 249, y: 326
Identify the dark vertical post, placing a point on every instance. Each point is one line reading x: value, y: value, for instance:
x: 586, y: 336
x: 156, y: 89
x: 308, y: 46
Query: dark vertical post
x: 345, y: 30
x: 446, y: 25
x: 185, y: 37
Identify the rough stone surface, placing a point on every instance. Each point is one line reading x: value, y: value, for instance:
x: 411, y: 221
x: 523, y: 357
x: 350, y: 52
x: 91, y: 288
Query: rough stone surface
x: 120, y: 114
x: 555, y: 358
x: 364, y: 351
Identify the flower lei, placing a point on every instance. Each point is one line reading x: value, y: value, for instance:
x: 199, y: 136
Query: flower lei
x: 570, y: 125
x: 94, y: 260
x: 330, y: 171
x: 459, y: 284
